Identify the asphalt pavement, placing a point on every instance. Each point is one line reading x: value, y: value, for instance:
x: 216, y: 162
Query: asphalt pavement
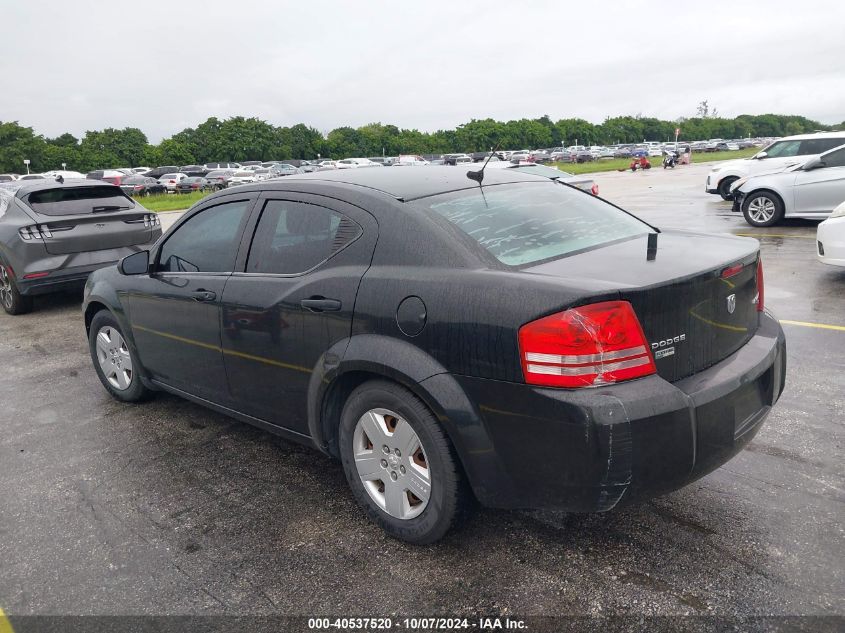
x: 168, y: 508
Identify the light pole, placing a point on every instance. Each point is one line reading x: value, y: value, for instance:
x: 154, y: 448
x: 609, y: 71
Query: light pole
x: 26, y: 162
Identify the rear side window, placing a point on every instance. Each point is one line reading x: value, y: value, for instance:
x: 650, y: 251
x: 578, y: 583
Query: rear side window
x: 819, y: 145
x: 293, y: 237
x: 206, y: 242
x: 79, y: 200
x: 526, y: 223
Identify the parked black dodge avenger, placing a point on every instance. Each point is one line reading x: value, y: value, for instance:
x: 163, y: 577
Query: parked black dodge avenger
x: 519, y: 340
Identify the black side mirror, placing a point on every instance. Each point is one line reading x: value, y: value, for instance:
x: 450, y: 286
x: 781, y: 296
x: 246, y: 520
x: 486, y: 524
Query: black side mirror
x: 813, y: 163
x: 135, y: 264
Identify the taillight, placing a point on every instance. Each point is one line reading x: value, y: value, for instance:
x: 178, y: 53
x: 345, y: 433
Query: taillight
x: 588, y: 346
x: 34, y: 232
x: 595, y: 189
x: 760, y: 302
x: 138, y: 187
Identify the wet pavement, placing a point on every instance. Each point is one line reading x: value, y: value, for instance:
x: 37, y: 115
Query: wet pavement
x: 167, y: 508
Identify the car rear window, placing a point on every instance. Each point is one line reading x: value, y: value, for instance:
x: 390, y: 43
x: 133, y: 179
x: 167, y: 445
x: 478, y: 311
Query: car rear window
x: 79, y: 200
x: 530, y: 222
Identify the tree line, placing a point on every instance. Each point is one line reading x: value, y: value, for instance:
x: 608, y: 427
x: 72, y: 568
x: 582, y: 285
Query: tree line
x: 241, y: 138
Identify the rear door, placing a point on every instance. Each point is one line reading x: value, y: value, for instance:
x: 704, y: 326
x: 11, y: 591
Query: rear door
x: 82, y: 219
x: 821, y: 190
x: 175, y: 311
x: 294, y: 301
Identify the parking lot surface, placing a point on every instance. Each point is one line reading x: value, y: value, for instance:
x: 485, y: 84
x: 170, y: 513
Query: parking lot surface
x: 168, y: 508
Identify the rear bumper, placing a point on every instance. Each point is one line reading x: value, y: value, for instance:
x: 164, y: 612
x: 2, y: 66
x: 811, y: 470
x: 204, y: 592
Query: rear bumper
x: 591, y: 450
x: 70, y: 271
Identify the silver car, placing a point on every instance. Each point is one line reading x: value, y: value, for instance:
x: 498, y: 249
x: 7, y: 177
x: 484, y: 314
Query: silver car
x: 810, y: 190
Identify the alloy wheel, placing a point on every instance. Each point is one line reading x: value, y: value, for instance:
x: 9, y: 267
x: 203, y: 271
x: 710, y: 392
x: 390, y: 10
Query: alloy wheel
x: 6, y: 297
x: 114, y: 359
x: 761, y: 209
x: 391, y: 463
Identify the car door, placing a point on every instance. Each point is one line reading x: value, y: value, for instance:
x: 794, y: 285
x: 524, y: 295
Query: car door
x: 175, y: 311
x: 294, y: 300
x: 820, y: 190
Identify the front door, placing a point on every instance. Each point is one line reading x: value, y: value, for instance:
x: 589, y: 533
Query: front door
x: 175, y: 311
x: 821, y: 190
x: 294, y: 301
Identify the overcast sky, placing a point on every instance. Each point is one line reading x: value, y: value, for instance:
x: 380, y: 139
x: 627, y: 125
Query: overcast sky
x: 164, y: 66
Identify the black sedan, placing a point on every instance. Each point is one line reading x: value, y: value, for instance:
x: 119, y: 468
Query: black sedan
x: 194, y: 183
x: 142, y: 186
x: 515, y: 340
x: 52, y: 235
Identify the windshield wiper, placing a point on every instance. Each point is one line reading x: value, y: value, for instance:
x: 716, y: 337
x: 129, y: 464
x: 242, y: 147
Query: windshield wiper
x: 111, y: 207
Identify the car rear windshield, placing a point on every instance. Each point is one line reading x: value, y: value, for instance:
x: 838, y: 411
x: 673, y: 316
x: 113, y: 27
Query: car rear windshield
x: 530, y: 222
x: 78, y: 200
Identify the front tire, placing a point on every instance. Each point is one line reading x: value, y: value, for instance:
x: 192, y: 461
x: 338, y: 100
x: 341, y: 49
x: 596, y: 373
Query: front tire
x: 401, y: 466
x: 115, y: 363
x: 725, y: 187
x: 762, y: 208
x: 11, y: 299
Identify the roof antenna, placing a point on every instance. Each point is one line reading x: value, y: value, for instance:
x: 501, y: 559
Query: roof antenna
x: 478, y: 176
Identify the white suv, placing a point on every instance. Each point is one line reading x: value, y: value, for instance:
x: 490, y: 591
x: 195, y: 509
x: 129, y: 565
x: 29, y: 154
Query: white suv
x: 781, y: 154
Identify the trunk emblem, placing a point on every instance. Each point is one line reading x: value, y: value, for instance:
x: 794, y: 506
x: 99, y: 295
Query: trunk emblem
x: 731, y: 303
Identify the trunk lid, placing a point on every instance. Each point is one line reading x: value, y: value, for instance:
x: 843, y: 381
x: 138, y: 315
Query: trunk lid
x: 90, y: 218
x: 695, y: 298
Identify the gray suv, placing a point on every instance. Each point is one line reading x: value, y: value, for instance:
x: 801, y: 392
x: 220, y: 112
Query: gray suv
x: 52, y: 235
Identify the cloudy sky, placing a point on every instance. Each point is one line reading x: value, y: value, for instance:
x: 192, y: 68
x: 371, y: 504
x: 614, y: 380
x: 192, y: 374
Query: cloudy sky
x: 164, y: 66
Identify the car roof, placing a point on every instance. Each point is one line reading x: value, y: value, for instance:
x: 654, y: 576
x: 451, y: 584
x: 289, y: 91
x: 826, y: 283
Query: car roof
x: 30, y: 186
x: 410, y: 183
x: 807, y: 137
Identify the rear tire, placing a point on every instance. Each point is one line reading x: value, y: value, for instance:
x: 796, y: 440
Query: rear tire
x: 762, y: 208
x: 418, y: 455
x: 725, y: 187
x: 13, y: 301
x: 116, y: 364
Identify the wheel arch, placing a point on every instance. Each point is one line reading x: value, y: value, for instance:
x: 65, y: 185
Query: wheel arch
x: 414, y: 370
x: 747, y: 200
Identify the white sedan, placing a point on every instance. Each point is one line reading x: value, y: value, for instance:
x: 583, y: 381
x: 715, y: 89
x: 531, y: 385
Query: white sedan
x: 171, y: 180
x: 810, y: 191
x: 355, y: 163
x: 830, y: 238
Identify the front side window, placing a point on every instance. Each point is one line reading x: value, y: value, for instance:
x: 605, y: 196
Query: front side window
x: 294, y: 237
x: 835, y: 159
x: 206, y: 242
x: 781, y: 149
x: 529, y: 222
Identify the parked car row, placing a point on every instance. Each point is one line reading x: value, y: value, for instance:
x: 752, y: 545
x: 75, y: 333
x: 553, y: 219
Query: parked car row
x: 224, y: 174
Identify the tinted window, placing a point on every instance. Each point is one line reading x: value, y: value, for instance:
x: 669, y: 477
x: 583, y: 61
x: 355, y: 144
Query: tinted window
x: 820, y: 145
x: 292, y: 237
x: 835, y: 159
x: 79, y: 200
x: 524, y: 223
x: 207, y: 242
